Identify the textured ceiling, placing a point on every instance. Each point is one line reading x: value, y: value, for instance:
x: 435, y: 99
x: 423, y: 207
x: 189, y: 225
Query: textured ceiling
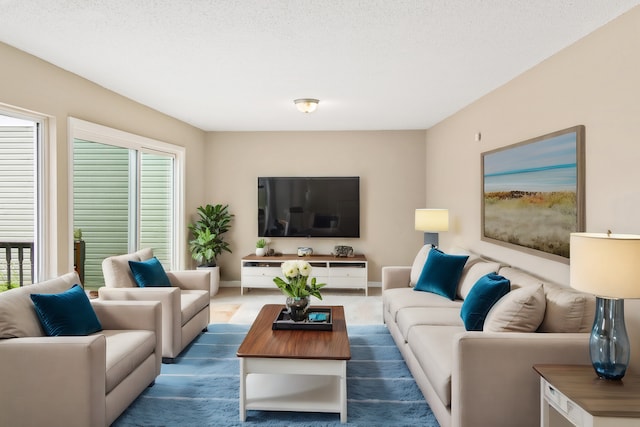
x: 238, y: 65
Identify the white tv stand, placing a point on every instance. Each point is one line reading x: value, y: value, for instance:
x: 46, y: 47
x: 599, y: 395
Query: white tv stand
x: 336, y: 272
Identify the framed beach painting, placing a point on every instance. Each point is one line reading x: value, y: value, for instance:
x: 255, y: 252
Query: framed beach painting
x: 533, y: 193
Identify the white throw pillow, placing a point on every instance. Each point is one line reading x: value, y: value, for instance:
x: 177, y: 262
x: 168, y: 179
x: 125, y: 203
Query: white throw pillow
x: 568, y: 310
x: 418, y: 263
x: 521, y: 310
x: 472, y: 272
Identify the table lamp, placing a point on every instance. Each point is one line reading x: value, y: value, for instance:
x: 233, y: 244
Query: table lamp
x: 431, y: 221
x: 607, y: 265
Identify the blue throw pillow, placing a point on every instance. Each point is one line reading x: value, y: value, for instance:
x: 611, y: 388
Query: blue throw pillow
x: 149, y: 273
x: 441, y: 273
x: 482, y: 296
x: 66, y: 313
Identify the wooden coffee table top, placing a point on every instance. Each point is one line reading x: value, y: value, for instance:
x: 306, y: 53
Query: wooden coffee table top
x: 262, y: 341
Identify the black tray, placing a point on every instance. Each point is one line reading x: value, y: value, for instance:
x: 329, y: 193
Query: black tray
x: 284, y: 322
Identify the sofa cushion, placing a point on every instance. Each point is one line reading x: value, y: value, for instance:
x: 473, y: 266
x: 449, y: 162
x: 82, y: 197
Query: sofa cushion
x: 396, y: 299
x: 66, y: 313
x: 521, y: 310
x: 192, y: 302
x: 117, y: 273
x: 116, y: 270
x: 441, y: 273
x: 18, y: 318
x: 126, y: 350
x: 149, y: 273
x: 519, y: 278
x: 568, y: 310
x: 482, y: 296
x: 433, y: 348
x: 418, y: 264
x: 472, y: 273
x: 409, y: 317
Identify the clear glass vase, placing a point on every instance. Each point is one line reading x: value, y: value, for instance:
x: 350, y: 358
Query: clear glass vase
x: 609, y: 345
x: 297, y: 308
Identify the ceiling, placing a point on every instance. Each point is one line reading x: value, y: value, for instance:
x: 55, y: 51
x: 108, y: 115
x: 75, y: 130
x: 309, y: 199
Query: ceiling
x: 228, y: 65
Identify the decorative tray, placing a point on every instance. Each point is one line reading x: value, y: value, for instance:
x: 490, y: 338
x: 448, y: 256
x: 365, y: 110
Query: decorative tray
x: 322, y: 315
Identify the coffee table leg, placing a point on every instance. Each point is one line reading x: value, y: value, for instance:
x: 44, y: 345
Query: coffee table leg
x: 243, y: 390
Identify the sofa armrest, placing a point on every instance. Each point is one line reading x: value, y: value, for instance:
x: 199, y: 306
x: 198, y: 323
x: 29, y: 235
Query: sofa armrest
x: 498, y: 367
x: 156, y: 309
x: 53, y: 381
x: 118, y: 315
x: 395, y: 277
x: 191, y: 279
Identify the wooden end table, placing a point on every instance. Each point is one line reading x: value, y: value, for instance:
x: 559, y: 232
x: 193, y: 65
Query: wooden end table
x: 294, y: 370
x: 577, y: 394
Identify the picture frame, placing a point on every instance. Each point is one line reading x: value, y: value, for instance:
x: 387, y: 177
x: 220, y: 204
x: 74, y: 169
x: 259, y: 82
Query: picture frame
x: 533, y: 193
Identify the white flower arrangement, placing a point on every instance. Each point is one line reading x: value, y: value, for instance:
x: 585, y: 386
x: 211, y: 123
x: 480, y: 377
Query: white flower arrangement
x: 297, y: 272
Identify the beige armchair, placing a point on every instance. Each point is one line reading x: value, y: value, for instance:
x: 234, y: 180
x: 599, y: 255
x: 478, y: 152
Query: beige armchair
x: 74, y: 381
x: 185, y: 305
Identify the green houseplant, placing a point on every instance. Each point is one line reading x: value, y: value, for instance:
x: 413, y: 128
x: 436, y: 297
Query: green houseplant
x: 208, y: 234
x: 261, y: 247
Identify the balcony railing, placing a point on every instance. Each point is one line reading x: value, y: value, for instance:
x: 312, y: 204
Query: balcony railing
x: 8, y: 267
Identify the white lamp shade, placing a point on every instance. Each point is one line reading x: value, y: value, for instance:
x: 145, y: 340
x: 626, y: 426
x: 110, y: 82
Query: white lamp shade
x: 432, y: 220
x: 606, y: 265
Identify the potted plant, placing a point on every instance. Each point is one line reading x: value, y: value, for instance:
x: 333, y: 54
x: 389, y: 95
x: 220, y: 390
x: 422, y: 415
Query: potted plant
x: 297, y: 289
x: 208, y: 239
x: 261, y: 247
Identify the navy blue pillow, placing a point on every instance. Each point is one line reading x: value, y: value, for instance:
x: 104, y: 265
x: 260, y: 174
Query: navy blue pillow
x: 482, y: 296
x: 441, y: 273
x: 66, y: 313
x: 149, y: 273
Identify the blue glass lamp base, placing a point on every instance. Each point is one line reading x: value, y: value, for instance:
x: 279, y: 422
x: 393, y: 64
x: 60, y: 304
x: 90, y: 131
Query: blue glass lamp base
x: 609, y: 345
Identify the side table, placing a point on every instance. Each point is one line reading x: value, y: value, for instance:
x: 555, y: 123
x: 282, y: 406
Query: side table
x: 574, y: 393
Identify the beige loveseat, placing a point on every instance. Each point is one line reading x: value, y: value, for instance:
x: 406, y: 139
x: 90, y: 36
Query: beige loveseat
x: 485, y: 378
x: 185, y: 305
x: 71, y: 381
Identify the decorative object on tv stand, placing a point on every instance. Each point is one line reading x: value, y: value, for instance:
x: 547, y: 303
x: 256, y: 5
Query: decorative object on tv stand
x: 261, y: 247
x: 305, y: 251
x: 606, y: 265
x: 297, y: 288
x: 208, y: 239
x: 306, y: 105
x: 431, y: 221
x: 343, y: 251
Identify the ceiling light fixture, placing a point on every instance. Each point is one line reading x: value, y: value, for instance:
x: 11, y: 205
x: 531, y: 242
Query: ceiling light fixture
x: 306, y: 105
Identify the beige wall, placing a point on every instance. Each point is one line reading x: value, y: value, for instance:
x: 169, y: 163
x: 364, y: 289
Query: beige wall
x: 596, y: 83
x: 29, y: 83
x: 390, y: 165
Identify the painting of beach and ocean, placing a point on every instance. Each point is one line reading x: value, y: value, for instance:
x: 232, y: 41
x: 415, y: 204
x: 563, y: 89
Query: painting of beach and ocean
x: 533, y: 193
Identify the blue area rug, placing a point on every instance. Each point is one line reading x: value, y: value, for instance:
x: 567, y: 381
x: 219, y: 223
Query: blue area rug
x: 202, y: 387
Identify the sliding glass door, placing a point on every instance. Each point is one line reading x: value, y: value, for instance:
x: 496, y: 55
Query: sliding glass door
x: 123, y: 200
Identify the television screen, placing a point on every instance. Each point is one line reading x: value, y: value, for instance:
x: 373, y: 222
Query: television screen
x: 309, y: 206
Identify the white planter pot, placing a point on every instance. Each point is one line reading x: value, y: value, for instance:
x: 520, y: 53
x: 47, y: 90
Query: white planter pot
x: 214, y: 285
x: 261, y: 251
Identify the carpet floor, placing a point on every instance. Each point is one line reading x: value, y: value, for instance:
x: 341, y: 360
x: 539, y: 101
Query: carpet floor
x: 202, y: 387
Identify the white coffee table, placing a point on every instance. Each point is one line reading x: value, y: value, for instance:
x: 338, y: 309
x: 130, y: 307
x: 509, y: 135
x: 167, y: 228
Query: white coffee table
x: 294, y: 370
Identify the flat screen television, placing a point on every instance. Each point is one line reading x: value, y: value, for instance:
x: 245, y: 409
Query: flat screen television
x: 309, y: 206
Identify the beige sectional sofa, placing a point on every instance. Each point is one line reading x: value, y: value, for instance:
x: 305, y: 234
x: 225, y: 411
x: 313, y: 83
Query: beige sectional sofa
x: 74, y: 380
x: 485, y: 378
x: 185, y: 304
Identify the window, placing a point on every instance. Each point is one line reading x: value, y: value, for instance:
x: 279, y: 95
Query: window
x: 126, y: 196
x: 21, y: 201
